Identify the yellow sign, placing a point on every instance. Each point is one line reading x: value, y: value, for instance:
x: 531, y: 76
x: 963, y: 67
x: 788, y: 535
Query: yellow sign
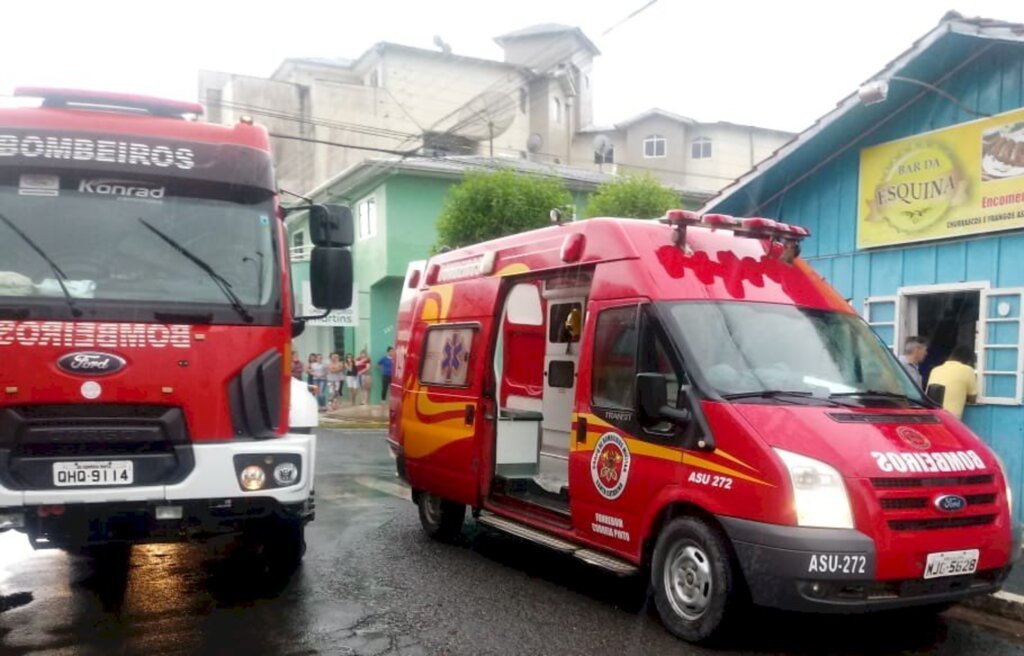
x: 958, y: 181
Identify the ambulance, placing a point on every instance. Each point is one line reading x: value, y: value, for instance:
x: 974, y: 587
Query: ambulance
x: 688, y: 400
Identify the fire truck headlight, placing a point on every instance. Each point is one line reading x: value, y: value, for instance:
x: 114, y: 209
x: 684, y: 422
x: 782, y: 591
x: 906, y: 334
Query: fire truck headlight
x: 286, y: 474
x: 818, y: 492
x: 252, y: 478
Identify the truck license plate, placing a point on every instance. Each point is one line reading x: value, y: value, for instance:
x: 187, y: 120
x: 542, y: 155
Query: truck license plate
x: 93, y: 472
x: 951, y: 563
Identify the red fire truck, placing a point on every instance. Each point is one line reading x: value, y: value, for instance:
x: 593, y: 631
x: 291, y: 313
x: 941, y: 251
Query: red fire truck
x: 146, y: 319
x: 689, y: 399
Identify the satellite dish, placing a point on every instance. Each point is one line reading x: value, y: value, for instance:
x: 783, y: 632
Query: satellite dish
x: 535, y: 142
x: 486, y: 116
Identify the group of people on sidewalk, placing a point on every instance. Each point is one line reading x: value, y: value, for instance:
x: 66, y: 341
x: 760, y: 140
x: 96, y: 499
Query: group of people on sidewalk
x: 339, y: 377
x: 954, y: 381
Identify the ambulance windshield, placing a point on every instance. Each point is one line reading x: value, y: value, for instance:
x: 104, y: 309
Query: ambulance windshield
x: 750, y: 349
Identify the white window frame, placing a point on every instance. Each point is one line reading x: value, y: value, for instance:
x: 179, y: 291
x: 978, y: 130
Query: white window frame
x: 366, y: 224
x: 866, y: 313
x: 654, y: 139
x: 556, y: 109
x: 701, y: 142
x: 983, y: 322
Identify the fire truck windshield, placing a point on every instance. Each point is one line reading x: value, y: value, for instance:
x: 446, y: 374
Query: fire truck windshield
x: 759, y: 350
x: 130, y: 250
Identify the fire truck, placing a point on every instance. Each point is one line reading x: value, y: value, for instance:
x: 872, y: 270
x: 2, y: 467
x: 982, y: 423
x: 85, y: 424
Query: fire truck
x: 688, y: 400
x: 146, y: 319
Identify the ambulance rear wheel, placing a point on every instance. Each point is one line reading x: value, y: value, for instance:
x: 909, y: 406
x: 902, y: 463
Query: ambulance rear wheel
x: 696, y: 588
x: 441, y: 519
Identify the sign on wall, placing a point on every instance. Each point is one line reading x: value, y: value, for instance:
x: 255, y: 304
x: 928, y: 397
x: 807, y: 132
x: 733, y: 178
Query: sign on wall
x: 962, y: 180
x: 341, y: 318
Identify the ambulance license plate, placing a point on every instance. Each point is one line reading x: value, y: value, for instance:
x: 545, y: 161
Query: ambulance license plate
x: 951, y: 563
x: 93, y: 472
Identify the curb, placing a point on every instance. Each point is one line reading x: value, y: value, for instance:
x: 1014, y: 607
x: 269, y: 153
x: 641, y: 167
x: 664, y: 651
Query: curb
x: 362, y: 424
x: 1008, y: 605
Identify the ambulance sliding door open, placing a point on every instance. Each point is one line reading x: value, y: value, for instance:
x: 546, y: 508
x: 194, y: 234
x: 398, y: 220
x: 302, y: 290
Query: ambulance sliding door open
x: 518, y: 429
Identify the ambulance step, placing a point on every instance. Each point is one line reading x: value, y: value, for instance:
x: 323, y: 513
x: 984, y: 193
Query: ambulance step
x: 604, y: 561
x: 527, y: 533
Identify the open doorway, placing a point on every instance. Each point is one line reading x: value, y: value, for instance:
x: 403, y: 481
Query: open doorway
x: 945, y: 319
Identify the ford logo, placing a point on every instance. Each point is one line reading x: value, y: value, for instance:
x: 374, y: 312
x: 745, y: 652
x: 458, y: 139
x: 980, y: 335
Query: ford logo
x: 91, y: 363
x: 950, y: 503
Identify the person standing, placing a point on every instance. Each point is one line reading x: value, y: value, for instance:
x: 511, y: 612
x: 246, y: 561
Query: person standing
x: 351, y: 378
x: 365, y: 375
x: 298, y: 369
x: 915, y: 350
x: 318, y: 372
x: 387, y: 366
x: 957, y: 376
x: 335, y: 376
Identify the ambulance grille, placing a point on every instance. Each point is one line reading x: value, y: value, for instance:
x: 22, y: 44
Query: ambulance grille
x: 946, y: 481
x: 939, y: 523
x: 906, y: 503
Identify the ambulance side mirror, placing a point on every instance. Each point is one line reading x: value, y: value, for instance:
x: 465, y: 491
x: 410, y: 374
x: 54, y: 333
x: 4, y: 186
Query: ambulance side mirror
x: 652, y: 401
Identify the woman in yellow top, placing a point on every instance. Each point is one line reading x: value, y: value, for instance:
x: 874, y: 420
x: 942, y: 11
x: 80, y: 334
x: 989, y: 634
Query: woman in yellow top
x: 957, y: 376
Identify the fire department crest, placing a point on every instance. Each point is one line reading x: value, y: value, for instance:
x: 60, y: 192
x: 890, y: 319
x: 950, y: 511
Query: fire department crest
x: 913, y: 437
x: 609, y: 466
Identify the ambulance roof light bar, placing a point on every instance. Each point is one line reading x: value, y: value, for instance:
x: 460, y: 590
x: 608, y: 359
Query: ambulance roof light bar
x: 754, y: 227
x: 163, y: 107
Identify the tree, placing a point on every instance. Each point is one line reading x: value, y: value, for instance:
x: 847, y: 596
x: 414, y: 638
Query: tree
x: 632, y: 196
x: 486, y: 205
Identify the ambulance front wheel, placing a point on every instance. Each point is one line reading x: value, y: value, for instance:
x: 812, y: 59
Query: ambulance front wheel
x: 696, y: 585
x: 441, y: 519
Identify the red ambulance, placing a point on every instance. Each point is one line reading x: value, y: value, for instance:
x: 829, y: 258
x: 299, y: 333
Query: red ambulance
x: 687, y: 398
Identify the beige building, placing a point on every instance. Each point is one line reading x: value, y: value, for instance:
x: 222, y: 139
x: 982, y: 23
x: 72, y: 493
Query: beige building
x: 698, y: 157
x: 326, y: 115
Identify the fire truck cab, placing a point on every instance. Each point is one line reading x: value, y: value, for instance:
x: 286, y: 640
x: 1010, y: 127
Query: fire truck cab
x: 687, y: 398
x: 146, y: 321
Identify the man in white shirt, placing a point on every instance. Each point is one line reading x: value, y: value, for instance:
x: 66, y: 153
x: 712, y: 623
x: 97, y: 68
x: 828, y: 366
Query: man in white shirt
x: 914, y: 351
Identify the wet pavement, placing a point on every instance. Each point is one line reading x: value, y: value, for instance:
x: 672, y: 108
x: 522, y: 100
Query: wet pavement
x: 373, y: 584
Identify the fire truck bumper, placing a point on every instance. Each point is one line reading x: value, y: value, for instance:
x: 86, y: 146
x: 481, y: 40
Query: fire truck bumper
x: 833, y: 571
x: 212, y: 499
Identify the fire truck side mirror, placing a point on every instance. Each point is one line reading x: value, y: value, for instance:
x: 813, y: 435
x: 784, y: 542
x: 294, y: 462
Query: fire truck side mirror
x: 331, y: 225
x: 330, y: 272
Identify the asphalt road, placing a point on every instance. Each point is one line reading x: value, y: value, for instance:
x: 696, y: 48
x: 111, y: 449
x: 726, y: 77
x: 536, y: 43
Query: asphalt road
x: 373, y: 584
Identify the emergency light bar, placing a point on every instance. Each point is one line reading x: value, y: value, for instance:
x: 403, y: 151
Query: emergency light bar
x: 754, y: 227
x: 108, y: 100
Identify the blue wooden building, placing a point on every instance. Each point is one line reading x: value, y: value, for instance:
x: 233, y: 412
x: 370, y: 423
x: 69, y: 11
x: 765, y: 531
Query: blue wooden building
x: 914, y: 196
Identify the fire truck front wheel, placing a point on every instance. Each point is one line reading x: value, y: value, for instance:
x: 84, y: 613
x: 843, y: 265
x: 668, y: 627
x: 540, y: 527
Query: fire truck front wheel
x: 441, y: 519
x: 696, y: 586
x: 278, y: 544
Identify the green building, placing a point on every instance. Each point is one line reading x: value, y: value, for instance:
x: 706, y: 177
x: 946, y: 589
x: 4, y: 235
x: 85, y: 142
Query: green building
x: 395, y: 204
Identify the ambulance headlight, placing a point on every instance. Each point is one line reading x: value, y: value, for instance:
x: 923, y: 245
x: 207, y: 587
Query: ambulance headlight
x: 252, y: 478
x: 1006, y: 481
x: 818, y: 492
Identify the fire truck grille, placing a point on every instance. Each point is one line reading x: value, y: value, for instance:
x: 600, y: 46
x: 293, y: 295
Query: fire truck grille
x: 34, y: 438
